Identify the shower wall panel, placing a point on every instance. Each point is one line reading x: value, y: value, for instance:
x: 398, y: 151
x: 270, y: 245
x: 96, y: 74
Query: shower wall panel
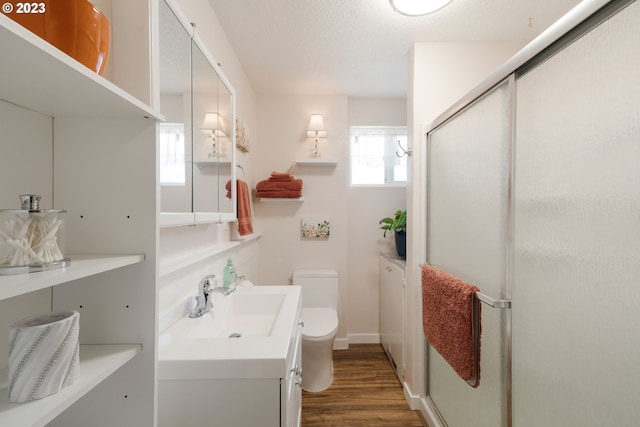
x: 576, y: 292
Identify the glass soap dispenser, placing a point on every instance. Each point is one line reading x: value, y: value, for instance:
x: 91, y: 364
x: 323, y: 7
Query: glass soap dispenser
x: 229, y: 277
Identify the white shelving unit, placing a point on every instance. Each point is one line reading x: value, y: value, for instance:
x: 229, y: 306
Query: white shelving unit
x: 58, y: 85
x: 97, y: 362
x: 101, y: 145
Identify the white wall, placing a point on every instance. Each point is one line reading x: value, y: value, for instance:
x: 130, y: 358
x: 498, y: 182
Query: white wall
x: 440, y: 74
x: 282, y: 125
x: 366, y: 206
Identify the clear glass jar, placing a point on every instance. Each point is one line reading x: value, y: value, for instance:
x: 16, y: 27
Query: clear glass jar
x: 30, y: 237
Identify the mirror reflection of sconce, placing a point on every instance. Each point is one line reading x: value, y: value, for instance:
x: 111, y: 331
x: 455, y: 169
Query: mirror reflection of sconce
x: 214, y: 125
x: 316, y: 130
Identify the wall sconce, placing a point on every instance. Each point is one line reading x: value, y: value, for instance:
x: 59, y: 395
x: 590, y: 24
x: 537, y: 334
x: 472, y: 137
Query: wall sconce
x: 316, y: 130
x: 214, y: 125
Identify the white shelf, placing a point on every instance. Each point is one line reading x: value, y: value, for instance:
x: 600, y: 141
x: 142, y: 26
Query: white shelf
x: 171, y: 266
x: 81, y: 266
x: 97, y: 362
x: 213, y: 161
x: 175, y: 219
x: 42, y: 78
x: 316, y: 162
x: 279, y: 200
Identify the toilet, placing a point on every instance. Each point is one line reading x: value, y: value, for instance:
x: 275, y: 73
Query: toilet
x: 320, y: 316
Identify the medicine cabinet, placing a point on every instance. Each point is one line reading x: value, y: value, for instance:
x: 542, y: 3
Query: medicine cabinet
x: 196, y: 141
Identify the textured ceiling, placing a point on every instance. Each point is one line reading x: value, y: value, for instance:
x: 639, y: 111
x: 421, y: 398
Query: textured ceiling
x: 360, y: 48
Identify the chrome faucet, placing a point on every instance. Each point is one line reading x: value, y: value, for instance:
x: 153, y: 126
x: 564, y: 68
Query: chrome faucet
x: 204, y: 295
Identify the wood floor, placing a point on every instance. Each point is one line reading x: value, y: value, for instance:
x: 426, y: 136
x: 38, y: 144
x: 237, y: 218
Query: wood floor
x: 365, y: 392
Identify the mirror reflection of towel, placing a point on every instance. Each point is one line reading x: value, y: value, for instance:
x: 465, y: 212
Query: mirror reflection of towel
x: 245, y: 225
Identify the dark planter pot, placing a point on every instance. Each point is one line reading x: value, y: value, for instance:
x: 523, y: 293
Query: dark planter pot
x: 401, y: 243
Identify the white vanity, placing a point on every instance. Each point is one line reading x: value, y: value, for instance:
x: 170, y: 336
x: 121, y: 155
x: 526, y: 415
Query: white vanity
x: 238, y: 365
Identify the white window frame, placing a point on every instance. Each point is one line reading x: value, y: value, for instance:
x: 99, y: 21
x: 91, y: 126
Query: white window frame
x: 390, y: 150
x: 165, y: 128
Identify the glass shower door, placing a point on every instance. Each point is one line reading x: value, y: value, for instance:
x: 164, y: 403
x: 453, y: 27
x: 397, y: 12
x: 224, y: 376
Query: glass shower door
x: 468, y: 213
x: 576, y: 329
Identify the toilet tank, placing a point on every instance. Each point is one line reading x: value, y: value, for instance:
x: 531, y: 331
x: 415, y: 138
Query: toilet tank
x: 319, y: 287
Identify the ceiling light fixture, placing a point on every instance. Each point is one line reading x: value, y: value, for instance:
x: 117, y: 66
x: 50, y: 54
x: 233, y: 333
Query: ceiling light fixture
x: 417, y: 7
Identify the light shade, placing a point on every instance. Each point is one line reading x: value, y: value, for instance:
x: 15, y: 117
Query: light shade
x: 418, y: 7
x: 316, y: 127
x: 215, y: 124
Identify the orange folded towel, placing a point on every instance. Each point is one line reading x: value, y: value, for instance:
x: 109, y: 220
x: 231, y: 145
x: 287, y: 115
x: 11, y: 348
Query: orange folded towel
x: 281, y: 194
x: 281, y: 179
x: 281, y: 175
x: 268, y: 185
x: 449, y: 319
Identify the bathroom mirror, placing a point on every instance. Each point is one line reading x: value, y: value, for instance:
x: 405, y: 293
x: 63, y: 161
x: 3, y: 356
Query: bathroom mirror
x: 194, y: 92
x: 213, y: 139
x: 175, y: 104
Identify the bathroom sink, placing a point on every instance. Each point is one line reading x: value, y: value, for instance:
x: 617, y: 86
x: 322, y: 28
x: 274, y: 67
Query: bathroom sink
x: 246, y: 335
x: 244, y: 315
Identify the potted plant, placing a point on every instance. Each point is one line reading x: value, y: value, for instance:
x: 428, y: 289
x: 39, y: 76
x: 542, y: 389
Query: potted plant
x: 397, y: 224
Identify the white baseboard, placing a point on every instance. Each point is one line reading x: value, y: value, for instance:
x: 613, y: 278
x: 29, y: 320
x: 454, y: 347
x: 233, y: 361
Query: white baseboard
x: 420, y: 403
x: 429, y: 414
x: 341, y: 344
x: 364, y: 338
x: 412, y: 399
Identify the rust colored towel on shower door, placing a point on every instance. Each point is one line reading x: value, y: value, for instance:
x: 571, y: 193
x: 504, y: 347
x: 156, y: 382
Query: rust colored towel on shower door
x: 451, y: 321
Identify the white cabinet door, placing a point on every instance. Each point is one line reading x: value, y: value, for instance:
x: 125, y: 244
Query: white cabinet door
x: 291, y: 386
x: 392, y: 313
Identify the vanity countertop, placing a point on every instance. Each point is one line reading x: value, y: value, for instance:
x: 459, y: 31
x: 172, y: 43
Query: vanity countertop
x: 265, y: 317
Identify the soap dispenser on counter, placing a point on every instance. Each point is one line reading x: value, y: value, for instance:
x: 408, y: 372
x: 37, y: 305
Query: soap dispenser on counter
x: 229, y: 277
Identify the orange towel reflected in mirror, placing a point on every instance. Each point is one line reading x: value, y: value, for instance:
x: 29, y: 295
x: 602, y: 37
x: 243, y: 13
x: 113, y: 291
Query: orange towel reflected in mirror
x: 245, y: 221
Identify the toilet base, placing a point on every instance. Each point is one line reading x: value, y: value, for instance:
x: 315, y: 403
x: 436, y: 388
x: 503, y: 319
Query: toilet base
x: 317, y: 364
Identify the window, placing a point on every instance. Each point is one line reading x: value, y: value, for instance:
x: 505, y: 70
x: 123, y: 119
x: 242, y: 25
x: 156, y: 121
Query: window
x: 373, y: 155
x: 172, y: 154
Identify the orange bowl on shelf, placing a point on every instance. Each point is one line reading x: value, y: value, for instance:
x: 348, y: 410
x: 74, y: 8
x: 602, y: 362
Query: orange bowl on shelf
x: 75, y: 27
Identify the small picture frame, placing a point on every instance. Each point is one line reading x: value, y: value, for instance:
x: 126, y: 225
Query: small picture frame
x: 315, y: 228
x: 242, y: 137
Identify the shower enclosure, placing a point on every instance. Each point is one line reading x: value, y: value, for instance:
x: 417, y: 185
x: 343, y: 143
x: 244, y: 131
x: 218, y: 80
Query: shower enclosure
x: 534, y: 196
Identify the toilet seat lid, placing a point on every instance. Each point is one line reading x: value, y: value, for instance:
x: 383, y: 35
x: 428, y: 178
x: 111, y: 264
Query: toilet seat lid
x: 319, y: 322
